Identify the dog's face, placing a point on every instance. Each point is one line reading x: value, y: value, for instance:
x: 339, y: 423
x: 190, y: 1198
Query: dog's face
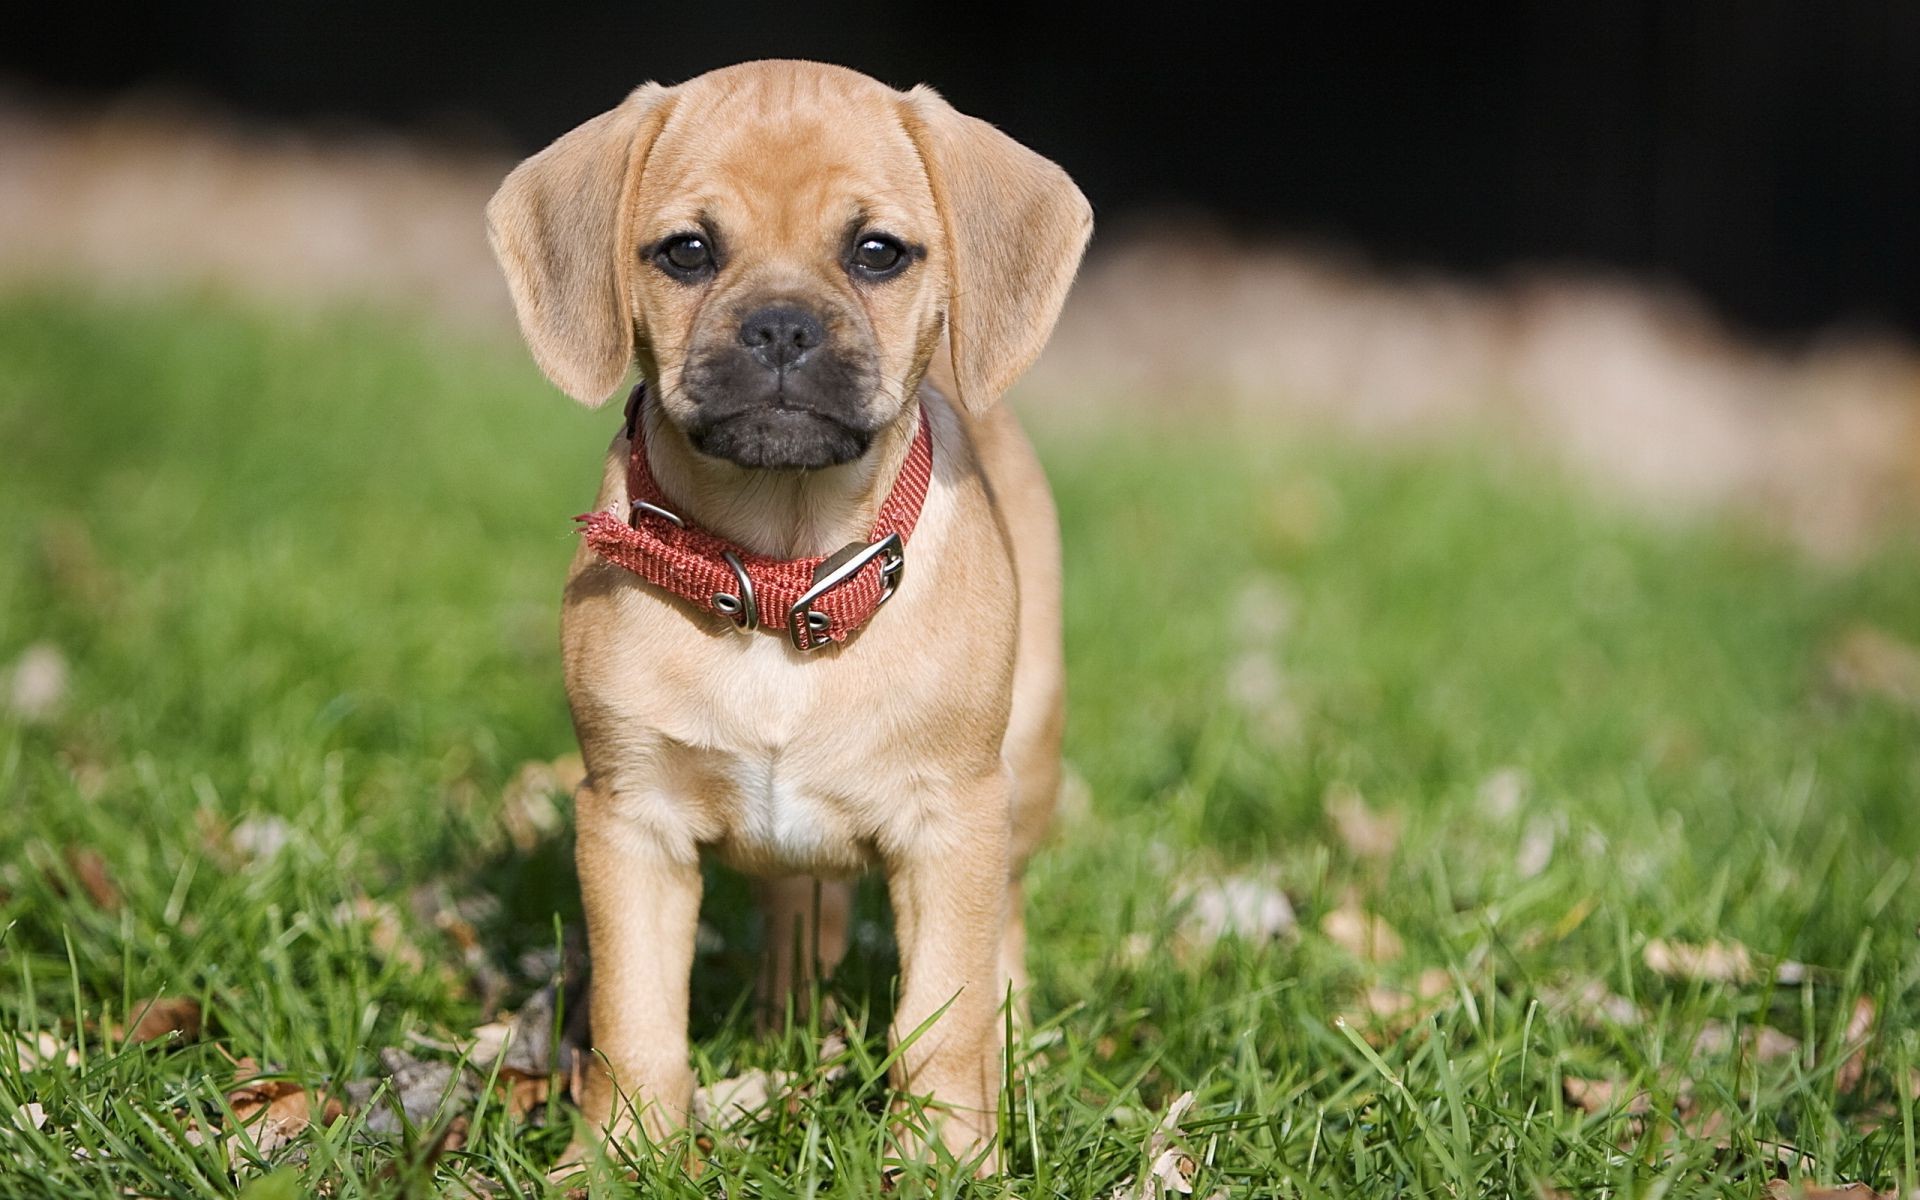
x: 780, y: 246
x: 782, y: 271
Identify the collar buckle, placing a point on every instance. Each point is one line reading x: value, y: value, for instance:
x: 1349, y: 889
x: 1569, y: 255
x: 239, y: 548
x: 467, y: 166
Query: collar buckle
x: 738, y: 606
x: 807, y: 626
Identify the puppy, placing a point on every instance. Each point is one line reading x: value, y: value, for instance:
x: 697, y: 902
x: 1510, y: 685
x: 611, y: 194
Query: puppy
x: 814, y: 625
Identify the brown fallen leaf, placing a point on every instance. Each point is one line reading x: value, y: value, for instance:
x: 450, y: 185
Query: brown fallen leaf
x: 1858, y: 1035
x: 1780, y: 1189
x: 1387, y: 1012
x: 1169, y: 1167
x: 1250, y: 908
x: 519, y: 1049
x: 1591, y: 1003
x: 1361, y: 934
x: 91, y: 873
x: 1868, y: 661
x: 1762, y: 1043
x: 1712, y: 962
x: 385, y: 931
x: 528, y: 809
x: 164, y: 1016
x: 1364, y: 832
x: 726, y: 1104
x: 1604, y: 1096
x: 274, y: 1111
x: 35, y: 1050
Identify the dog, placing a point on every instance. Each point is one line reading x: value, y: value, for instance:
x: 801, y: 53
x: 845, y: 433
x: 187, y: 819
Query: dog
x: 814, y: 625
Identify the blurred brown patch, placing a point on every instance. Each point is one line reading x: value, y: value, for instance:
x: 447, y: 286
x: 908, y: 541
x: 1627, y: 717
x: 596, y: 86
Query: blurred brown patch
x: 1636, y: 389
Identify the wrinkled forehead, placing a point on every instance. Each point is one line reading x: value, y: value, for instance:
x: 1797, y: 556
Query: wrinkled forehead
x: 786, y: 167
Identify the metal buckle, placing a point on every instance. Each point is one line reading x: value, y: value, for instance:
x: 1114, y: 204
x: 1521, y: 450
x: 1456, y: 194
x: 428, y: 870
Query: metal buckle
x: 805, y: 625
x: 739, y: 608
x: 641, y: 506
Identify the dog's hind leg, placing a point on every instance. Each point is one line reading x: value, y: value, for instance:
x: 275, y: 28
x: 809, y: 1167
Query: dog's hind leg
x: 1031, y: 747
x: 808, y: 922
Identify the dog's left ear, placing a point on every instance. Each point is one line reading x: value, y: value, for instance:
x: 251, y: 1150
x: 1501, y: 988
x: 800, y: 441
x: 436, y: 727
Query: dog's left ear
x: 1016, y: 227
x: 559, y: 226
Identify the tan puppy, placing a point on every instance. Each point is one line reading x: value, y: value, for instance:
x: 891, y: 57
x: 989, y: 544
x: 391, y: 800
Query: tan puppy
x: 781, y: 246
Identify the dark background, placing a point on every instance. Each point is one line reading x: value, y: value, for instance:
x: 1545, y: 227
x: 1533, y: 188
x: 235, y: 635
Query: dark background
x: 1762, y: 152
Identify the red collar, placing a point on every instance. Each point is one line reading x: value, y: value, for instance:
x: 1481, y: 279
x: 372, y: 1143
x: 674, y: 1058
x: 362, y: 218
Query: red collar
x: 819, y: 600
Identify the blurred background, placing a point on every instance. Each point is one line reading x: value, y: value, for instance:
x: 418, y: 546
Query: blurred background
x: 1670, y: 243
x: 1486, y: 439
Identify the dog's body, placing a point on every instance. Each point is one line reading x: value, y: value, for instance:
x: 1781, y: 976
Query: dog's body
x: 738, y: 236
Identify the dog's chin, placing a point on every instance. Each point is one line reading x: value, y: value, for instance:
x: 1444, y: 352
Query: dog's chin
x: 779, y: 439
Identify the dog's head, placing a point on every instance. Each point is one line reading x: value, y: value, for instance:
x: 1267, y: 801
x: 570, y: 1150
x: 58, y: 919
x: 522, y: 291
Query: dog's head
x: 780, y: 245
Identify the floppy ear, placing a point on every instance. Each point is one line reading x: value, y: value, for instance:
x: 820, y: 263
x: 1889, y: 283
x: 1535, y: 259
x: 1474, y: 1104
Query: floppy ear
x: 559, y: 226
x: 1016, y: 227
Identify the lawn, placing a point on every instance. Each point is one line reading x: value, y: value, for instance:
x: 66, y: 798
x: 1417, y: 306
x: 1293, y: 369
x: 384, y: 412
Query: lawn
x: 1579, y: 845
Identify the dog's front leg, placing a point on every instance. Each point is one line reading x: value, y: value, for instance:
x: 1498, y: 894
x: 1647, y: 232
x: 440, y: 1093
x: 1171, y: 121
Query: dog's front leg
x: 949, y: 893
x: 642, y: 899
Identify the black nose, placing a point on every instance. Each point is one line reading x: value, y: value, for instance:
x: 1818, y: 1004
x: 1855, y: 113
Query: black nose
x: 780, y: 337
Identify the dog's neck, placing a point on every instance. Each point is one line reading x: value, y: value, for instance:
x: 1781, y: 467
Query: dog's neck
x: 780, y: 514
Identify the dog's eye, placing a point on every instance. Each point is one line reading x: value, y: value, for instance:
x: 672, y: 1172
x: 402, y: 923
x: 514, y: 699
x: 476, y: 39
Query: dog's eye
x: 877, y: 257
x: 685, y: 257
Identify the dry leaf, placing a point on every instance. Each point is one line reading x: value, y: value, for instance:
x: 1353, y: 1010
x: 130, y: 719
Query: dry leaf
x: 276, y: 1122
x: 385, y: 932
x: 1366, y: 833
x: 260, y: 839
x: 1502, y: 792
x: 1074, y: 804
x: 417, y: 1089
x: 164, y: 1016
x: 1361, y: 934
x: 1604, y: 1096
x: 1248, y: 907
x: 1780, y: 1189
x: 521, y: 1095
x: 90, y: 871
x: 527, y: 807
x: 1387, y: 1012
x: 1853, y: 1068
x: 1169, y: 1167
x: 37, y: 684
x: 273, y: 1111
x: 36, y: 1050
x: 728, y: 1103
x: 1713, y: 962
x: 1536, y: 848
x: 1866, y: 661
x: 1592, y: 1003
x: 1762, y: 1043
x: 486, y: 1042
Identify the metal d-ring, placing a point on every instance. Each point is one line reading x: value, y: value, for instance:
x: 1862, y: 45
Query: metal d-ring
x: 806, y: 624
x: 740, y: 607
x: 642, y: 506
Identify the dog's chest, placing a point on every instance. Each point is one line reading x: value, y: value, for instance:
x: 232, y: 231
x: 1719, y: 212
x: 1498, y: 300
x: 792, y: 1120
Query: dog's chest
x: 777, y: 756
x: 777, y: 820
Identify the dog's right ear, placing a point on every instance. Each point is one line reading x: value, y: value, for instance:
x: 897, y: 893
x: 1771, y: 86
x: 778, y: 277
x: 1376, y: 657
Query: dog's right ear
x: 559, y: 226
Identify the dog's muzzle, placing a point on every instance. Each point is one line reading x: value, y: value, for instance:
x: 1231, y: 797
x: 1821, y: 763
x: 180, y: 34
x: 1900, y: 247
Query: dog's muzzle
x: 781, y: 394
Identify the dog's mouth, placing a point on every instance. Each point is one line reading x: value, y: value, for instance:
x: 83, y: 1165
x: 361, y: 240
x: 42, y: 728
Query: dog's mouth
x: 778, y: 437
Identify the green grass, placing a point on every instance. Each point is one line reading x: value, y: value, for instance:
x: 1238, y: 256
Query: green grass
x: 311, y: 571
